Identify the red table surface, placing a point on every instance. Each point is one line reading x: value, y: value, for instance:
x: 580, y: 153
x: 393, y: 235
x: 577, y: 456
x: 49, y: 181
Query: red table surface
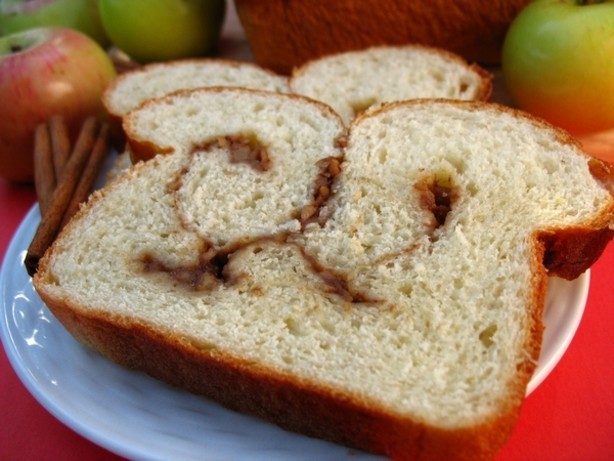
x: 570, y: 416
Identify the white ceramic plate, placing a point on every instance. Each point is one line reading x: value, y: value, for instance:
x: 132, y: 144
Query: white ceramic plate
x: 140, y: 418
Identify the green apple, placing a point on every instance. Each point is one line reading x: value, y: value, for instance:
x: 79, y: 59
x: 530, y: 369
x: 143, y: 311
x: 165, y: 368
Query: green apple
x: 82, y: 15
x: 161, y: 30
x: 558, y: 63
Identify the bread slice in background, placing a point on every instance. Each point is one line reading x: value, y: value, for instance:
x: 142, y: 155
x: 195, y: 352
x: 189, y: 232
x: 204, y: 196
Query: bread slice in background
x: 130, y: 89
x: 324, y: 282
x: 353, y: 81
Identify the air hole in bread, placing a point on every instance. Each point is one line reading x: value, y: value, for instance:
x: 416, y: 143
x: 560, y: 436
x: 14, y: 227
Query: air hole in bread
x: 294, y: 326
x: 438, y: 76
x: 486, y: 335
x: 406, y: 289
x: 242, y: 148
x: 437, y: 195
x: 382, y: 156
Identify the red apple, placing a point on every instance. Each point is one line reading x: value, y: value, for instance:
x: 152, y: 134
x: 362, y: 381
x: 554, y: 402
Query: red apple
x: 46, y: 71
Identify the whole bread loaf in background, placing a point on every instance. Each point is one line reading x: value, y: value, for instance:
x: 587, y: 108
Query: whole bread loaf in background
x: 286, y: 33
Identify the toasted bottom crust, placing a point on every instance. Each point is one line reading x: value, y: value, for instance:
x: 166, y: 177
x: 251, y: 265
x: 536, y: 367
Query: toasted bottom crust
x: 292, y: 405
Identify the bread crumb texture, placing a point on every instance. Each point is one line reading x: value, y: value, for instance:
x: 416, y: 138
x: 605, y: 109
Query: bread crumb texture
x: 410, y: 287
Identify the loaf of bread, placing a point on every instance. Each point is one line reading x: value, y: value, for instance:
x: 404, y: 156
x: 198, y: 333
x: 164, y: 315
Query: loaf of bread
x: 132, y: 88
x: 381, y: 288
x: 353, y: 81
x: 285, y: 34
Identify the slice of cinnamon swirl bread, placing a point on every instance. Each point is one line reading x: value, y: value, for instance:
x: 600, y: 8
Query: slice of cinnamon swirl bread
x: 382, y: 290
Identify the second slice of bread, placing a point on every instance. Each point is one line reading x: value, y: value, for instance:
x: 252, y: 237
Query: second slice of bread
x: 353, y: 81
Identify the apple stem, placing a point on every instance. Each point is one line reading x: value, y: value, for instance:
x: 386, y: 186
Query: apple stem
x: 15, y: 48
x: 588, y: 2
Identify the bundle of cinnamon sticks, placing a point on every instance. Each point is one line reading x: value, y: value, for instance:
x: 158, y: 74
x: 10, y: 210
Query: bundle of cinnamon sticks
x: 63, y: 177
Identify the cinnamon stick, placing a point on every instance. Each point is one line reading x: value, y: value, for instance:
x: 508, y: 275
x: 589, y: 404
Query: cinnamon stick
x: 90, y: 174
x: 44, y: 173
x: 50, y: 223
x: 60, y: 142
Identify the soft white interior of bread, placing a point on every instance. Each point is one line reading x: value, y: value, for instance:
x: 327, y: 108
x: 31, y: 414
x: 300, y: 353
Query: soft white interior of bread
x: 353, y: 81
x: 444, y: 323
x: 160, y: 79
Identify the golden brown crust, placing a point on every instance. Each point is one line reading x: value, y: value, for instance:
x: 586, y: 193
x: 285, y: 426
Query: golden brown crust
x: 486, y: 83
x: 570, y: 252
x: 284, y: 34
